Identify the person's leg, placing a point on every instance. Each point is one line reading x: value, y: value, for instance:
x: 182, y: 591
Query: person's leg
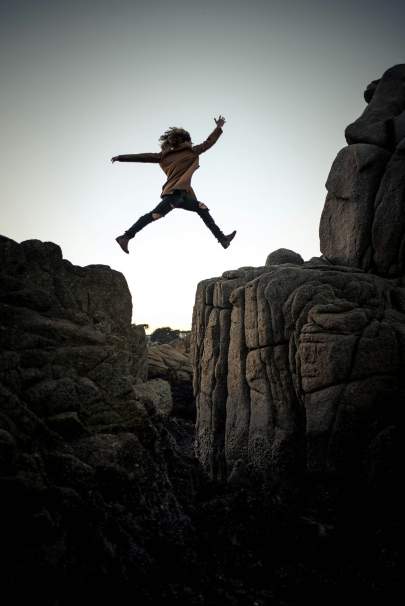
x: 165, y: 206
x: 158, y: 212
x: 188, y: 203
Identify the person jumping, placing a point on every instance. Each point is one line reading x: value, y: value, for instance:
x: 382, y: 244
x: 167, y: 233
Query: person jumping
x: 178, y: 158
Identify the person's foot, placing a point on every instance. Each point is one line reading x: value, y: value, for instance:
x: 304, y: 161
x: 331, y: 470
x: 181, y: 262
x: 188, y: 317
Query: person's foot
x: 228, y: 239
x: 123, y: 242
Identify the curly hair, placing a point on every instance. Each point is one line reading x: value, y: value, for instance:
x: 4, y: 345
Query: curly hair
x: 173, y: 137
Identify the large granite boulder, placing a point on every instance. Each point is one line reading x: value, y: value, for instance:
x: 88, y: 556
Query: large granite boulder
x: 297, y: 370
x: 363, y: 220
x: 92, y: 483
x: 382, y: 121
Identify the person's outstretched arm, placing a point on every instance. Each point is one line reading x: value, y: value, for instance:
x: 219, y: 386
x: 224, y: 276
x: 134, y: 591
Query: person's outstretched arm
x: 212, y: 138
x: 152, y: 157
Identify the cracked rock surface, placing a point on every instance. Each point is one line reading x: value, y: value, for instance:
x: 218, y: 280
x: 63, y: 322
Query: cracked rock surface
x: 297, y: 370
x: 93, y: 486
x: 363, y: 220
x: 168, y: 362
x: 298, y: 367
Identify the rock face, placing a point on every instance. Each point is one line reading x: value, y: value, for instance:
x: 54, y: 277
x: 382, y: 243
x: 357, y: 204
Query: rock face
x: 86, y: 463
x: 297, y: 366
x: 167, y: 362
x: 296, y: 370
x: 363, y: 221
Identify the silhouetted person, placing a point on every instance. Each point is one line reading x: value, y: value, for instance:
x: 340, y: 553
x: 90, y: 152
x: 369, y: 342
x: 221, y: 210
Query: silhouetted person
x: 178, y: 158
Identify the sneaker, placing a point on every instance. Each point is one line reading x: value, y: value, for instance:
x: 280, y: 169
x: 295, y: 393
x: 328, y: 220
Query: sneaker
x: 228, y: 239
x: 123, y: 242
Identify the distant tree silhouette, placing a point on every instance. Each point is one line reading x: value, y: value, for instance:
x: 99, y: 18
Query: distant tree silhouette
x: 164, y: 335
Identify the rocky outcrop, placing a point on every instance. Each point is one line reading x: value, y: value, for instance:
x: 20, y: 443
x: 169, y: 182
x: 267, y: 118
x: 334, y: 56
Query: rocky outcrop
x: 297, y: 366
x: 363, y: 221
x: 296, y: 370
x: 169, y: 363
x: 92, y: 483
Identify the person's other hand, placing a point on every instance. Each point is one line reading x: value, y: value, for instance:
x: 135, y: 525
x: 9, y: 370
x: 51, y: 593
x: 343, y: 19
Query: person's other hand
x: 114, y: 159
x: 220, y: 121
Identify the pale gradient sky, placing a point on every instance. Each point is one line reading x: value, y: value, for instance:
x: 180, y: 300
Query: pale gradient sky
x: 83, y: 81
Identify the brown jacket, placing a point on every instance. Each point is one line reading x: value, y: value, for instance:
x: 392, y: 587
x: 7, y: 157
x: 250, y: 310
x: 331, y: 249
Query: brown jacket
x: 179, y: 164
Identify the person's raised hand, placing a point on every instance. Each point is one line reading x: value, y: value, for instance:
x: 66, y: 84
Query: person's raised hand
x: 220, y: 121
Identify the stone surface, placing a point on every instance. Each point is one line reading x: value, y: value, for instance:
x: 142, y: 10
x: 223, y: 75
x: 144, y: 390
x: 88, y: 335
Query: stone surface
x: 92, y: 482
x: 386, y: 102
x: 362, y: 223
x: 169, y: 362
x: 283, y: 255
x: 297, y: 366
x: 347, y: 218
x: 298, y: 372
x: 156, y: 393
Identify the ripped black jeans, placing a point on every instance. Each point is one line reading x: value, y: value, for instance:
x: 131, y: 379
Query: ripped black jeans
x: 180, y: 198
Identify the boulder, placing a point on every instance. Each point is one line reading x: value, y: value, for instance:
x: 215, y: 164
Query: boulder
x: 284, y: 255
x: 386, y: 102
x: 169, y: 363
x: 299, y: 372
x: 362, y: 223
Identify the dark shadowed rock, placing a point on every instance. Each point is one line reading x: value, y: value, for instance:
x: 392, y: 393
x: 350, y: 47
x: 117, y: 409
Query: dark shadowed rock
x: 363, y: 219
x: 68, y: 425
x: 370, y: 90
x: 387, y: 235
x: 283, y: 255
x: 88, y: 471
x: 156, y: 394
x: 8, y: 451
x: 386, y: 102
x: 347, y: 218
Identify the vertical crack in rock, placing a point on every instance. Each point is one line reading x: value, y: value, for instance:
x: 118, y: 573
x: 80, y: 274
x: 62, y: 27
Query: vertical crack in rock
x: 389, y: 219
x: 238, y: 400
